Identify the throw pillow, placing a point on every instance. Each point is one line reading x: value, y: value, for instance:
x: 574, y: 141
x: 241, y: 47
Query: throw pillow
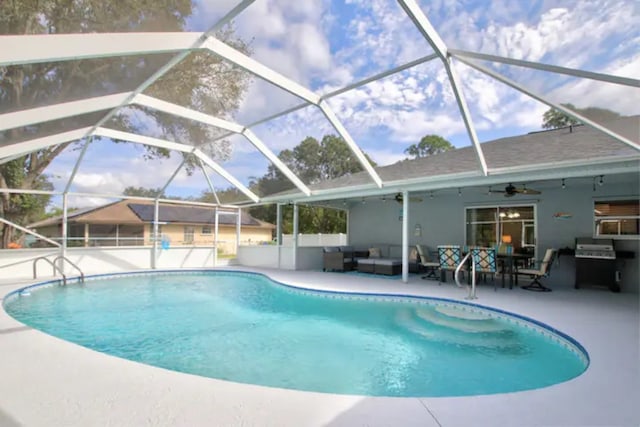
x: 374, y: 253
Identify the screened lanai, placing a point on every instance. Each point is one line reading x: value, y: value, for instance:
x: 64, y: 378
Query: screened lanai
x: 206, y: 96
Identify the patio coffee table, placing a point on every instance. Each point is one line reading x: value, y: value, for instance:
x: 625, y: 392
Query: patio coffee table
x: 387, y: 266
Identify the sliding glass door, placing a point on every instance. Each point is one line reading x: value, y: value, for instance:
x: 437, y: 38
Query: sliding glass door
x: 490, y: 225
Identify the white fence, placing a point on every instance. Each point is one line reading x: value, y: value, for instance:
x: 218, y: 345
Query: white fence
x: 319, y: 239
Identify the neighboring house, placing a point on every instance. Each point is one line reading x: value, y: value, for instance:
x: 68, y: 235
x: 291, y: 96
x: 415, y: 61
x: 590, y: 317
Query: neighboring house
x: 130, y: 223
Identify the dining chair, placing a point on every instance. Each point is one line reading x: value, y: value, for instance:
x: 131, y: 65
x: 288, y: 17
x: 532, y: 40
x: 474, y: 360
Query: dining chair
x: 449, y: 257
x: 485, y: 262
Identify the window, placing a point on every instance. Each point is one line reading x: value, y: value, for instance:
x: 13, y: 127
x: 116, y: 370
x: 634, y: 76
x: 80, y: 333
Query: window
x: 188, y: 234
x: 487, y: 226
x: 206, y: 230
x: 617, y: 218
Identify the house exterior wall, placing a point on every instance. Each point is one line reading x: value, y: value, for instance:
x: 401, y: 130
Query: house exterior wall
x: 442, y: 220
x: 226, y: 236
x: 175, y: 234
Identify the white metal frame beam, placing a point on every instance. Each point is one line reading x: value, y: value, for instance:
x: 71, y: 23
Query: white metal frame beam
x: 156, y: 142
x: 254, y: 67
x: 31, y: 49
x: 59, y: 111
x: 542, y: 99
x: 187, y: 113
x: 206, y: 176
x: 234, y: 128
x: 253, y: 139
x: 626, y: 81
x: 25, y: 147
x: 340, y: 91
x: 226, y: 175
x: 420, y: 20
x: 196, y: 44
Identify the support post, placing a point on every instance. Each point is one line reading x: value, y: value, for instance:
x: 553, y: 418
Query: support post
x: 86, y: 235
x: 63, y: 247
x: 238, y: 228
x: 295, y: 236
x: 117, y: 235
x: 215, y: 237
x: 405, y: 236
x: 279, y: 231
x: 154, y: 248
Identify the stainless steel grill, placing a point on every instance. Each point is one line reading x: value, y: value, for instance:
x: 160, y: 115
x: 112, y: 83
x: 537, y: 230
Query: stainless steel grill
x: 587, y: 247
x: 596, y: 263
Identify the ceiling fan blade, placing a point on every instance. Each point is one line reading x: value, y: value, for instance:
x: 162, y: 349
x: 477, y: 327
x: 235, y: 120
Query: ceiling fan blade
x: 415, y: 199
x: 509, y: 194
x: 528, y: 191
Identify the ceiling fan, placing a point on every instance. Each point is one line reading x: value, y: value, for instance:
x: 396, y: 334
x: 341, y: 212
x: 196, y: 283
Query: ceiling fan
x: 510, y: 190
x: 398, y: 198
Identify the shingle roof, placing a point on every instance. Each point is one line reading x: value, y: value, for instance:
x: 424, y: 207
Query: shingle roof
x: 557, y: 145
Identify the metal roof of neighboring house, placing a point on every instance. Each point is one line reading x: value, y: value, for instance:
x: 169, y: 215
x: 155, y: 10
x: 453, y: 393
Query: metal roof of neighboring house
x: 191, y: 215
x: 130, y: 212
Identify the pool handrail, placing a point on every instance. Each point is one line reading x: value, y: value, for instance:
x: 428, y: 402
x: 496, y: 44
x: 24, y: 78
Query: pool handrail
x: 55, y: 268
x: 472, y: 289
x: 63, y: 258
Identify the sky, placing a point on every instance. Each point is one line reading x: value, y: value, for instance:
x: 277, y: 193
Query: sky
x: 326, y: 45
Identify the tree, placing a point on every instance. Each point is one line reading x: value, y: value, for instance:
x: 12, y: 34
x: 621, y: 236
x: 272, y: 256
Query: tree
x: 22, y: 208
x: 144, y: 192
x: 554, y: 119
x: 428, y: 146
x: 202, y: 81
x: 313, y: 161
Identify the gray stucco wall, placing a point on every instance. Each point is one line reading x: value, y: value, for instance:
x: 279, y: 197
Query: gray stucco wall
x: 443, y: 222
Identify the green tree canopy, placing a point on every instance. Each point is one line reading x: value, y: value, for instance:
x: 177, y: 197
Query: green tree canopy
x: 313, y: 161
x: 201, y: 81
x: 144, y: 192
x: 428, y: 146
x: 554, y: 119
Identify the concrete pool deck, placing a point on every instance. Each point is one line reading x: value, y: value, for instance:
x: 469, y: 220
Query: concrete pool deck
x: 45, y: 381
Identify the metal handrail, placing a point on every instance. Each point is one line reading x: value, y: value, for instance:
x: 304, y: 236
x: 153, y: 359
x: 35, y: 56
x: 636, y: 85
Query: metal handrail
x: 472, y: 289
x: 35, y: 262
x: 63, y: 258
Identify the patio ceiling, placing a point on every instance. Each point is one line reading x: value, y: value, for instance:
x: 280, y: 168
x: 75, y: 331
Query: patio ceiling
x: 30, y: 49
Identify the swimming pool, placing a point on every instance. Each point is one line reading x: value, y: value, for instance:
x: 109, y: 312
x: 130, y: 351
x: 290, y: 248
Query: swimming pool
x: 246, y: 328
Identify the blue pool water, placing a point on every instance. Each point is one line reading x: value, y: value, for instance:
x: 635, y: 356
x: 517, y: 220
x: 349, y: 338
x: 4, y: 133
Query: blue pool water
x: 246, y: 328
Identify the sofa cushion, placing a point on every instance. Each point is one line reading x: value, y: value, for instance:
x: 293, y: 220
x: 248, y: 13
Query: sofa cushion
x: 328, y: 249
x: 374, y: 253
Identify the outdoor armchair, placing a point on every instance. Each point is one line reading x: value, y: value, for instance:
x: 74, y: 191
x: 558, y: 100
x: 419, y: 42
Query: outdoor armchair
x: 543, y: 270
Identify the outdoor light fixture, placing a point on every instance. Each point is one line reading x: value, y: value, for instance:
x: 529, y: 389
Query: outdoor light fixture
x: 384, y: 198
x: 431, y: 195
x: 601, y: 182
x: 502, y: 215
x: 563, y: 185
x: 417, y: 231
x: 506, y: 238
x: 459, y: 192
